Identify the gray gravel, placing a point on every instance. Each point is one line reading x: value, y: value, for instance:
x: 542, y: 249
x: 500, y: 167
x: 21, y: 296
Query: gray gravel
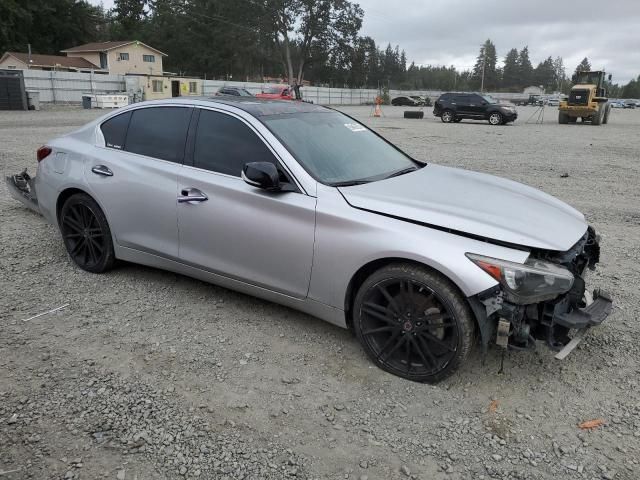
x: 147, y: 374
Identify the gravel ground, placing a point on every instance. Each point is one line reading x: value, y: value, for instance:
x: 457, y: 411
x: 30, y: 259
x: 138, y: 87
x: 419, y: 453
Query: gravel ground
x: 147, y: 374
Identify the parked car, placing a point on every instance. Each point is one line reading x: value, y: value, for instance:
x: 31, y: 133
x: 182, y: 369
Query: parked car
x: 305, y: 206
x: 277, y: 92
x: 235, y: 91
x: 454, y: 107
x: 616, y: 104
x: 405, y: 101
x: 553, y: 102
x: 629, y: 104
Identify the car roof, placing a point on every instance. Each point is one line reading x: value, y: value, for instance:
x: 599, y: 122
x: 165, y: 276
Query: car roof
x: 256, y: 107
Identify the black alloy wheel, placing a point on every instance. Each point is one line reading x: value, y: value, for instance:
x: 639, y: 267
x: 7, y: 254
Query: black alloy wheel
x: 86, y: 234
x: 413, y: 323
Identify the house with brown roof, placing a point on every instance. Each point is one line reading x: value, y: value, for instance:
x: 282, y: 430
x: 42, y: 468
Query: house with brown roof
x: 120, y: 57
x: 24, y: 61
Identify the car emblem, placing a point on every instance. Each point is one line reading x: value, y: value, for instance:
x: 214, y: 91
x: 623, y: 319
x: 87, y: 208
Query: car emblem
x: 408, y: 326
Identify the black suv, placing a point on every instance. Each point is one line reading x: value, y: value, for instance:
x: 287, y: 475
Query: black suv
x: 453, y: 107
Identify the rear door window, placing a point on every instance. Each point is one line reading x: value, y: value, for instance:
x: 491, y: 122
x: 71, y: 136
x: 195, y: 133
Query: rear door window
x: 462, y: 99
x: 224, y: 144
x: 159, y: 132
x: 114, y: 130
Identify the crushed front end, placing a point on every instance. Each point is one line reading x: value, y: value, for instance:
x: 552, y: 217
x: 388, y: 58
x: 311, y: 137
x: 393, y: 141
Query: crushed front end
x: 543, y: 299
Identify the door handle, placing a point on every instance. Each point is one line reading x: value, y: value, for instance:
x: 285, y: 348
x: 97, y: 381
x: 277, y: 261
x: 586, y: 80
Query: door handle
x: 189, y: 195
x: 102, y: 170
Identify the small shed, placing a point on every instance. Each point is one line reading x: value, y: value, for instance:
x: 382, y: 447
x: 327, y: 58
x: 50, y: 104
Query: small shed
x: 533, y: 90
x: 12, y: 92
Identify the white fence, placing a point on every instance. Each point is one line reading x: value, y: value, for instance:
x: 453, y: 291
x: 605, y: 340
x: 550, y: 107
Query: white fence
x: 68, y: 87
x: 342, y: 96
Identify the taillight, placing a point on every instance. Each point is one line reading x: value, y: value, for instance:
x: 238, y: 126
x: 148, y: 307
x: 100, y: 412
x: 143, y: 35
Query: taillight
x: 43, y: 152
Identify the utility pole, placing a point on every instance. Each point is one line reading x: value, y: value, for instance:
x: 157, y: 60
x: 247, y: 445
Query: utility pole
x: 484, y: 60
x: 29, y: 59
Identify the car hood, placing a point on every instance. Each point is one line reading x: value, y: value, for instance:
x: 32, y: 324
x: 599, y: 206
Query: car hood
x: 473, y: 203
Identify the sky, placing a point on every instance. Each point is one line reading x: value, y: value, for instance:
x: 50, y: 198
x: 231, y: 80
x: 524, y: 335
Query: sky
x: 450, y: 32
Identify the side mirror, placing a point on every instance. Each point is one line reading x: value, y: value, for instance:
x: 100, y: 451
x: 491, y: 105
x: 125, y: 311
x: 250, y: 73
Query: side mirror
x: 262, y: 175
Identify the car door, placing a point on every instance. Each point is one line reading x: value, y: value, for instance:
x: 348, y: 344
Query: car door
x: 462, y: 105
x: 477, y: 106
x: 236, y: 230
x: 134, y: 176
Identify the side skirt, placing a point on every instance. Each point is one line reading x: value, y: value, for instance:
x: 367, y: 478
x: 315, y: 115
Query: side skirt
x: 316, y: 309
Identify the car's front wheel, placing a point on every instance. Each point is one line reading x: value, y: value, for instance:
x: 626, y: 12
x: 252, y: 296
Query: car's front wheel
x: 495, y: 118
x: 86, y: 234
x: 448, y: 116
x: 413, y: 322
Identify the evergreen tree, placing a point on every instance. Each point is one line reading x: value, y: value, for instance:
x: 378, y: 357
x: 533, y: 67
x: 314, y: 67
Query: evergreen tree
x: 583, y: 66
x: 129, y: 16
x: 485, y: 74
x: 545, y: 74
x: 632, y: 89
x: 560, y: 74
x: 510, y: 72
x: 525, y: 69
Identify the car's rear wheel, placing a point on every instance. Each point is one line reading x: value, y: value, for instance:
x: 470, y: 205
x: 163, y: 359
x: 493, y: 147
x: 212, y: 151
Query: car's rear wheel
x: 86, y: 234
x: 448, y: 116
x: 495, y: 118
x: 413, y: 322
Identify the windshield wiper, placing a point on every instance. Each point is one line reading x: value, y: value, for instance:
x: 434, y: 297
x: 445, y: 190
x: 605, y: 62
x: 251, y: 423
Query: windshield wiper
x: 401, y: 172
x: 350, y: 183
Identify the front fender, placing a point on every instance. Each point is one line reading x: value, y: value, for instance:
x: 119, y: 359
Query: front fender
x: 348, y: 239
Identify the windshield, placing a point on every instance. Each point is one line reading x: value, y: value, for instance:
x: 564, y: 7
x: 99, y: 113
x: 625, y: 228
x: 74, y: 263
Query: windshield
x: 587, y: 78
x: 489, y: 99
x: 335, y: 149
x: 244, y: 93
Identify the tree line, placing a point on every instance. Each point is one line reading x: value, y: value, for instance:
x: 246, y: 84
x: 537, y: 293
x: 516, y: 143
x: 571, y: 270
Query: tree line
x: 314, y: 40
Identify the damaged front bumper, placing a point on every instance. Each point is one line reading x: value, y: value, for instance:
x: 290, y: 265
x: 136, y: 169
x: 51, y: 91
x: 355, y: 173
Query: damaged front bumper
x: 22, y: 188
x: 560, y: 322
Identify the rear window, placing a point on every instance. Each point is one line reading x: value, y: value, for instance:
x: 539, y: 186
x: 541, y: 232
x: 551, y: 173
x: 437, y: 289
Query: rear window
x: 115, y: 130
x: 159, y: 132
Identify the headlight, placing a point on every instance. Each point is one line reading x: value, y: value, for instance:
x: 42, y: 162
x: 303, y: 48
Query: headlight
x: 530, y: 282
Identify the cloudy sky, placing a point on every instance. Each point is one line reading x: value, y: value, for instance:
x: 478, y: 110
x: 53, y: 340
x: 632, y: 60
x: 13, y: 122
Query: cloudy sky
x: 450, y: 32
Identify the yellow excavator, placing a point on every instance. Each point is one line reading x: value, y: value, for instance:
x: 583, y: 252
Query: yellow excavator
x: 587, y: 100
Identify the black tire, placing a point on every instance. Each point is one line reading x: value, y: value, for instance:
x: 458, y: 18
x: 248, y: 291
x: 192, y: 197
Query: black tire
x: 495, y: 118
x: 86, y: 234
x: 413, y: 322
x: 607, y: 112
x: 448, y: 116
x: 596, y: 119
x: 414, y: 114
x: 563, y: 118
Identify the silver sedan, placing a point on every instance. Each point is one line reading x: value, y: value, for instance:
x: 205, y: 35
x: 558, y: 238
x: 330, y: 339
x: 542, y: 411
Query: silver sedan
x: 305, y: 206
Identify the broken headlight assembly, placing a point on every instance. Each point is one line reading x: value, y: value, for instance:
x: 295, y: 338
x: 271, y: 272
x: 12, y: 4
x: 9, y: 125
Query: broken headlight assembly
x: 533, y: 281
